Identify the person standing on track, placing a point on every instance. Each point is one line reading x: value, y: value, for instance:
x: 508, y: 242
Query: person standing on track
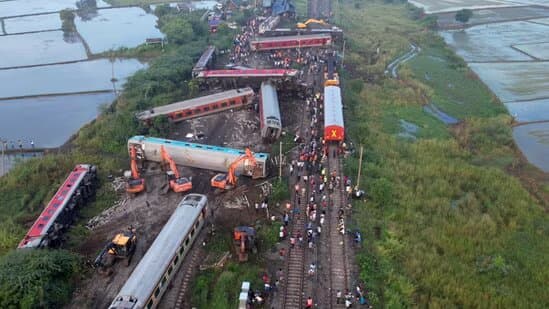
x: 309, y: 303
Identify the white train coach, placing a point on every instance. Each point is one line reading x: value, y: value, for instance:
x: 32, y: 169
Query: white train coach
x: 151, y: 277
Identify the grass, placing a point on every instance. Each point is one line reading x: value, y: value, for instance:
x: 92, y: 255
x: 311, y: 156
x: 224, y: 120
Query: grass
x: 445, y: 225
x: 457, y: 92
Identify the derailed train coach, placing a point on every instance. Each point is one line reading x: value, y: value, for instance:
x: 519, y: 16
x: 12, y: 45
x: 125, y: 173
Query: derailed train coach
x: 77, y: 189
x: 152, y: 276
x: 269, y: 112
x: 202, y: 156
x: 334, y: 129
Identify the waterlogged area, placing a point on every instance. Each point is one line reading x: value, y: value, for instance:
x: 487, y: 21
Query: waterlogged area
x: 32, y: 23
x: 51, y: 81
x: 533, y: 140
x: 94, y: 75
x: 118, y: 27
x: 529, y: 111
x: 48, y: 121
x: 494, y: 42
x: 511, y: 59
x: 39, y: 48
x: 28, y: 7
x: 515, y: 81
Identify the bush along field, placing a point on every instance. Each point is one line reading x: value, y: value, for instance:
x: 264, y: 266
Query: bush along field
x: 30, y: 184
x: 454, y: 216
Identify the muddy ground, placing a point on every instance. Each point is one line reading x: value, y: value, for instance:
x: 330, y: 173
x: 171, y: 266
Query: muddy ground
x: 149, y: 211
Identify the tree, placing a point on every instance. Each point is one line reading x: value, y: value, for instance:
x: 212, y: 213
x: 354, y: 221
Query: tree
x: 464, y: 15
x: 178, y: 30
x: 67, y: 19
x: 37, y: 278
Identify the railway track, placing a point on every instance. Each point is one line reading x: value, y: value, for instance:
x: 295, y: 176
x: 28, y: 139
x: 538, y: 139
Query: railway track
x: 338, y: 277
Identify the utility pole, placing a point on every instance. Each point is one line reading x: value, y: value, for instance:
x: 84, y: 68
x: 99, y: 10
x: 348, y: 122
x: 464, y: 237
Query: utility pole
x: 343, y: 53
x: 359, y: 167
x: 280, y: 162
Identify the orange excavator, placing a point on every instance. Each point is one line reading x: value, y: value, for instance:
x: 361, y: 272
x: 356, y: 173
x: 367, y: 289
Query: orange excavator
x: 228, y: 181
x: 177, y: 183
x: 135, y: 184
x: 244, y: 241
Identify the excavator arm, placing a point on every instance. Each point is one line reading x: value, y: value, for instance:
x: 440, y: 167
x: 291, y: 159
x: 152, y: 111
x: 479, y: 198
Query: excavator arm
x: 229, y: 179
x: 177, y: 183
x: 309, y: 21
x: 135, y: 184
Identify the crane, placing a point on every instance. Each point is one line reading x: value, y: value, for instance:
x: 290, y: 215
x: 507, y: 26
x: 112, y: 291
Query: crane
x: 309, y: 21
x: 177, y: 183
x: 135, y: 184
x: 228, y: 181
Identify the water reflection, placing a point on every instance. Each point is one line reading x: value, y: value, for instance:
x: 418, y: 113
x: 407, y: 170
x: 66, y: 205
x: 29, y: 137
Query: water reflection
x: 84, y: 76
x: 48, y: 121
x: 115, y: 28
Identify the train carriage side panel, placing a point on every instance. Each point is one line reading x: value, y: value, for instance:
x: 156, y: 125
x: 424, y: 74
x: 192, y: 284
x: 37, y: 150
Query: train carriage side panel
x: 151, y: 277
x: 58, y: 213
x: 334, y: 129
x: 194, y: 155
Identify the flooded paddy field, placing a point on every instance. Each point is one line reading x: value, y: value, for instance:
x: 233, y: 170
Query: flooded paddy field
x: 437, y: 6
x: 494, y: 15
x: 510, y: 58
x: 494, y: 42
x: 32, y: 23
x: 54, y: 119
x: 38, y: 48
x: 529, y: 111
x: 86, y: 76
x: 533, y: 141
x: 515, y: 81
x: 29, y: 7
x: 117, y: 27
x: 540, y: 51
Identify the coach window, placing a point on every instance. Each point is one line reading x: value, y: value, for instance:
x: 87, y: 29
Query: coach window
x: 232, y: 102
x: 176, y: 260
x: 157, y: 292
x: 224, y: 104
x: 187, y: 242
x: 181, y: 250
x: 192, y: 232
x: 245, y: 100
x: 164, y: 280
x: 188, y: 113
x: 170, y: 270
x: 150, y: 304
x: 206, y: 108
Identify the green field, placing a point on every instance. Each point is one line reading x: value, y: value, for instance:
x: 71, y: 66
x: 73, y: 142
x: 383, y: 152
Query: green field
x: 445, y: 225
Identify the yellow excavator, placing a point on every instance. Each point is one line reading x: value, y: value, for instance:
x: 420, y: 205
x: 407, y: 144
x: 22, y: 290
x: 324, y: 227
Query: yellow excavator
x: 228, y: 181
x: 121, y: 247
x: 311, y: 21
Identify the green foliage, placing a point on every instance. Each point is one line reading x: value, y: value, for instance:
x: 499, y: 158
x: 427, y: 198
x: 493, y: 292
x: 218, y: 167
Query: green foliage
x: 67, y: 20
x: 219, y: 289
x: 36, y: 278
x: 178, y: 30
x: 454, y: 229
x: 281, y: 192
x: 464, y: 15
